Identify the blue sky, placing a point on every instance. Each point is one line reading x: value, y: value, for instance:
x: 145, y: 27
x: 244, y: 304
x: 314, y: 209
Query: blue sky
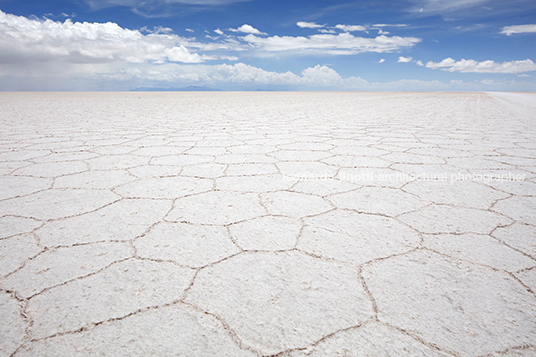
x: 268, y: 44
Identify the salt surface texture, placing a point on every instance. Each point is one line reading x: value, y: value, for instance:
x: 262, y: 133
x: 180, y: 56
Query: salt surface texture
x: 249, y: 224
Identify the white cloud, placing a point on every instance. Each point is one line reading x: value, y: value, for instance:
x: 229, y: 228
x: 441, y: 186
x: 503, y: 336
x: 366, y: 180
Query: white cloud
x: 157, y: 30
x: 28, y: 41
x: 317, y: 77
x: 181, y: 54
x: 33, y: 48
x: 237, y: 76
x: 321, y: 75
x: 229, y: 58
x: 389, y: 25
x: 404, y: 59
x: 248, y: 29
x: 419, y: 63
x: 240, y: 74
x: 381, y: 60
x: 46, y: 54
x: 243, y: 73
x: 351, y: 28
x: 472, y: 66
x: 309, y: 25
x: 341, y: 44
x: 508, y: 30
x: 190, y: 30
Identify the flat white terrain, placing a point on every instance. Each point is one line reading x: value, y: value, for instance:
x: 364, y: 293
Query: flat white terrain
x: 260, y: 224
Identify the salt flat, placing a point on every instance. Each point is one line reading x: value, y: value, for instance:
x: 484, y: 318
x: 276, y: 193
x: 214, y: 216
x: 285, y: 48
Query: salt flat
x: 280, y: 223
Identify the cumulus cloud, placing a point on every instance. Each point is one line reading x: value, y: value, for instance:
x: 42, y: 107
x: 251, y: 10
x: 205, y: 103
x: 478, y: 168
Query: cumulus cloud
x: 30, y: 40
x: 47, y: 54
x: 31, y: 48
x: 404, y: 59
x: 321, y: 75
x: 243, y: 73
x: 309, y: 25
x: 472, y: 66
x: 381, y: 60
x: 341, y: 44
x: 237, y: 76
x: 509, y: 30
x: 351, y: 28
x: 181, y: 54
x: 317, y: 77
x: 248, y: 29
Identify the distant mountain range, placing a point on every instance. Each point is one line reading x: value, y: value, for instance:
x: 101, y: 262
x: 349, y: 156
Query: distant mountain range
x: 185, y: 89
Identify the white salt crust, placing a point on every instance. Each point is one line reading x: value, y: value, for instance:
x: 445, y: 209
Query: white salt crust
x: 253, y: 224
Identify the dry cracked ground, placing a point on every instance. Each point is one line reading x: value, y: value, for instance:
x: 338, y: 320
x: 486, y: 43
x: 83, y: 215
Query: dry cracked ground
x: 268, y: 224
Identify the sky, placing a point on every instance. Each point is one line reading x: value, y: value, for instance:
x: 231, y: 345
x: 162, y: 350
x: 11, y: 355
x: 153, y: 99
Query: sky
x: 364, y: 45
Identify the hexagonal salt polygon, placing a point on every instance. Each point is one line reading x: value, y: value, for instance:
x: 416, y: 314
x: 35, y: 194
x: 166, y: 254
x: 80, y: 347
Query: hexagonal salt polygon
x: 278, y: 301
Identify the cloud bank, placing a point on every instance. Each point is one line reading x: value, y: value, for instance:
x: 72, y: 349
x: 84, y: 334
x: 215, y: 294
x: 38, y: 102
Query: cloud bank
x: 45, y: 54
x: 339, y: 44
x: 472, y: 66
x: 23, y: 39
